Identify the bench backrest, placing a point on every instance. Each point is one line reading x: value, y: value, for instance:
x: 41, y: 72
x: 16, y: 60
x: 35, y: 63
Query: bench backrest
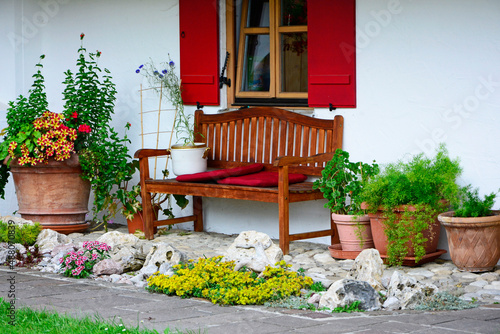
x: 262, y: 134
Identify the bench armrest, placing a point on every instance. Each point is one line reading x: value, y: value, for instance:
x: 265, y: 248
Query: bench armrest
x: 288, y: 161
x: 149, y: 152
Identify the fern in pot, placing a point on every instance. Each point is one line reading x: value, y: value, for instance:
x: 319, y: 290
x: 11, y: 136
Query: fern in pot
x: 403, y: 202
x: 473, y: 231
x: 341, y: 183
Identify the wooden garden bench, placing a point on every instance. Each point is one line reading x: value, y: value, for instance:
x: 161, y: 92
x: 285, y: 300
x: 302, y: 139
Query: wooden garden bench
x: 285, y: 142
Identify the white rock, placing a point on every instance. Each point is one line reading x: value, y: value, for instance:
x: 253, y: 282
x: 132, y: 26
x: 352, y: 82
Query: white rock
x: 392, y: 304
x: 315, y: 298
x: 115, y: 238
x: 346, y: 291
x: 368, y: 267
x: 409, y: 292
x: 163, y: 252
x: 324, y: 259
x: 421, y: 272
x: 479, y: 284
x: 255, y: 250
x: 107, y: 267
x: 128, y: 256
x: 166, y: 269
x: 48, y: 239
x: 148, y: 270
x: 115, y: 278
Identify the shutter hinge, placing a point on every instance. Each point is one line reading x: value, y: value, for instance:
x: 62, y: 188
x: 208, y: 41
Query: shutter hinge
x: 224, y: 80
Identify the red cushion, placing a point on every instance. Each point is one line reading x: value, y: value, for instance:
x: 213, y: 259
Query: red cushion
x: 220, y: 173
x: 261, y: 179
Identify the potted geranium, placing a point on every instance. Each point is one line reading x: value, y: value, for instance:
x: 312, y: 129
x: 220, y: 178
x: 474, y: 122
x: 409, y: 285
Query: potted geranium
x: 80, y: 140
x: 403, y: 202
x: 341, y: 183
x: 473, y: 231
x: 187, y: 155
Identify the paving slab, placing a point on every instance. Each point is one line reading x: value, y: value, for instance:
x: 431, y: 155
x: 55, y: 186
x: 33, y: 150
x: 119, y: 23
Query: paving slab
x: 137, y: 307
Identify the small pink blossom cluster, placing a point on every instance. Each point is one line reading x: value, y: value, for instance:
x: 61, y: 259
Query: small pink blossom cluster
x: 80, y: 264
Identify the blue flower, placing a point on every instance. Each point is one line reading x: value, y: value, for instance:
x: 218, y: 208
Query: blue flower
x: 171, y: 63
x: 141, y: 66
x: 160, y: 75
x: 155, y: 72
x: 164, y: 71
x: 137, y: 71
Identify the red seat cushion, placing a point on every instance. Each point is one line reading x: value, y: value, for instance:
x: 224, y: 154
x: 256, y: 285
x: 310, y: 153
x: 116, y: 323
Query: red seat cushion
x: 261, y: 179
x: 220, y: 173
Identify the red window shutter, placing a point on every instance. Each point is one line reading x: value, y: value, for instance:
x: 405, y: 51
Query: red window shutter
x: 332, y: 53
x: 199, y: 51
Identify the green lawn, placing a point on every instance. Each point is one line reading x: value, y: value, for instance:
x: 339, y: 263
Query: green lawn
x: 28, y: 321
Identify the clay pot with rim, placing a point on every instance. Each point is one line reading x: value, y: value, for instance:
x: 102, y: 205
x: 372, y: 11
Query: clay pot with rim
x: 474, y: 242
x: 137, y: 222
x: 350, y: 238
x: 53, y: 194
x: 378, y: 228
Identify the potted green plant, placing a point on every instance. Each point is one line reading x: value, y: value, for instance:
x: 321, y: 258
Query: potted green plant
x: 341, y: 183
x: 80, y: 140
x: 473, y: 231
x: 403, y: 202
x: 187, y: 155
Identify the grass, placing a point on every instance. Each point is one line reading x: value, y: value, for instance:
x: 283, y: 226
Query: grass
x: 28, y: 321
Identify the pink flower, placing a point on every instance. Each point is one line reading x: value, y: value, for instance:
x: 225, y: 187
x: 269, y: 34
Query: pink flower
x: 84, y: 128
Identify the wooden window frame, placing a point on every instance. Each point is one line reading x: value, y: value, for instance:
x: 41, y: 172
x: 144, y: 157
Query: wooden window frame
x: 235, y: 68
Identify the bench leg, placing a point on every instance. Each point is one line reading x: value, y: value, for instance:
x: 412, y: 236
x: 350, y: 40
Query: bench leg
x: 284, y: 214
x: 198, y: 213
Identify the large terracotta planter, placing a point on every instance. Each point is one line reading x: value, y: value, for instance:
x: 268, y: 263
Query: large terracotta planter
x: 53, y: 194
x: 474, y: 242
x: 350, y: 229
x: 380, y: 238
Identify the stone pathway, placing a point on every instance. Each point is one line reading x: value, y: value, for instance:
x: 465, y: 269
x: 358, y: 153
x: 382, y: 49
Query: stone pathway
x: 315, y: 259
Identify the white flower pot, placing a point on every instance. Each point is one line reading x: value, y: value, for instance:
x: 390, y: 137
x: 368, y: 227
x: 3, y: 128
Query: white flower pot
x: 189, y: 159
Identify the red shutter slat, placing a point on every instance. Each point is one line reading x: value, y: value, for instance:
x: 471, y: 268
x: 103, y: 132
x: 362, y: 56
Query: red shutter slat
x: 199, y: 51
x: 332, y: 53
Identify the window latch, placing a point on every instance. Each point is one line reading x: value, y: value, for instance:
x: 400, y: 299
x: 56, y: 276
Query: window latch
x: 198, y: 105
x: 224, y: 80
x: 331, y: 107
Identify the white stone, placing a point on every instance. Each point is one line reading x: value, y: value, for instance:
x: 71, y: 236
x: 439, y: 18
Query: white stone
x: 480, y: 284
x: 324, y: 259
x: 115, y: 278
x: 490, y: 277
x: 409, y: 292
x: 129, y: 257
x: 107, y: 267
x: 166, y: 269
x: 48, y: 239
x: 421, y: 272
x: 115, y: 238
x: 163, y: 252
x: 368, y: 267
x: 344, y: 292
x: 148, y: 270
x: 392, y: 304
x: 254, y: 250
x: 315, y: 298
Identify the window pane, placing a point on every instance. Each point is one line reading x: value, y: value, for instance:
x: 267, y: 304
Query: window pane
x: 293, y: 13
x: 256, y: 74
x: 294, y: 62
x: 258, y: 13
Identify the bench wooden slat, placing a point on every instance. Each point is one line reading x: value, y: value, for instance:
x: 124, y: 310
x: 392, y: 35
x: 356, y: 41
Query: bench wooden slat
x: 285, y: 142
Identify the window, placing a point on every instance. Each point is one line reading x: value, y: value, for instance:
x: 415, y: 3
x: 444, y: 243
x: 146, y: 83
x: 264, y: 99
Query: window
x: 272, y: 49
x: 277, y: 56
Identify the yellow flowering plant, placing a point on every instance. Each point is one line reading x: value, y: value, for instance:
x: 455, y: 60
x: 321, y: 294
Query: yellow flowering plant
x: 217, y: 281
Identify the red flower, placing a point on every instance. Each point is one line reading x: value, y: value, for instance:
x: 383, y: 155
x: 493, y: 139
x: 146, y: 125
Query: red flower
x: 75, y: 114
x: 84, y: 128
x: 82, y: 35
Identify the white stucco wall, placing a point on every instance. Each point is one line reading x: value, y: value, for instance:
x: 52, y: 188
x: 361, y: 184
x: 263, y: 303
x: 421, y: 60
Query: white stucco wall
x: 427, y: 72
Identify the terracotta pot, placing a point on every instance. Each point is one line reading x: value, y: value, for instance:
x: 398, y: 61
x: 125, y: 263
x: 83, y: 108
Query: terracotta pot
x: 347, y: 227
x: 53, y: 194
x: 137, y: 222
x: 474, y: 242
x: 380, y: 239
